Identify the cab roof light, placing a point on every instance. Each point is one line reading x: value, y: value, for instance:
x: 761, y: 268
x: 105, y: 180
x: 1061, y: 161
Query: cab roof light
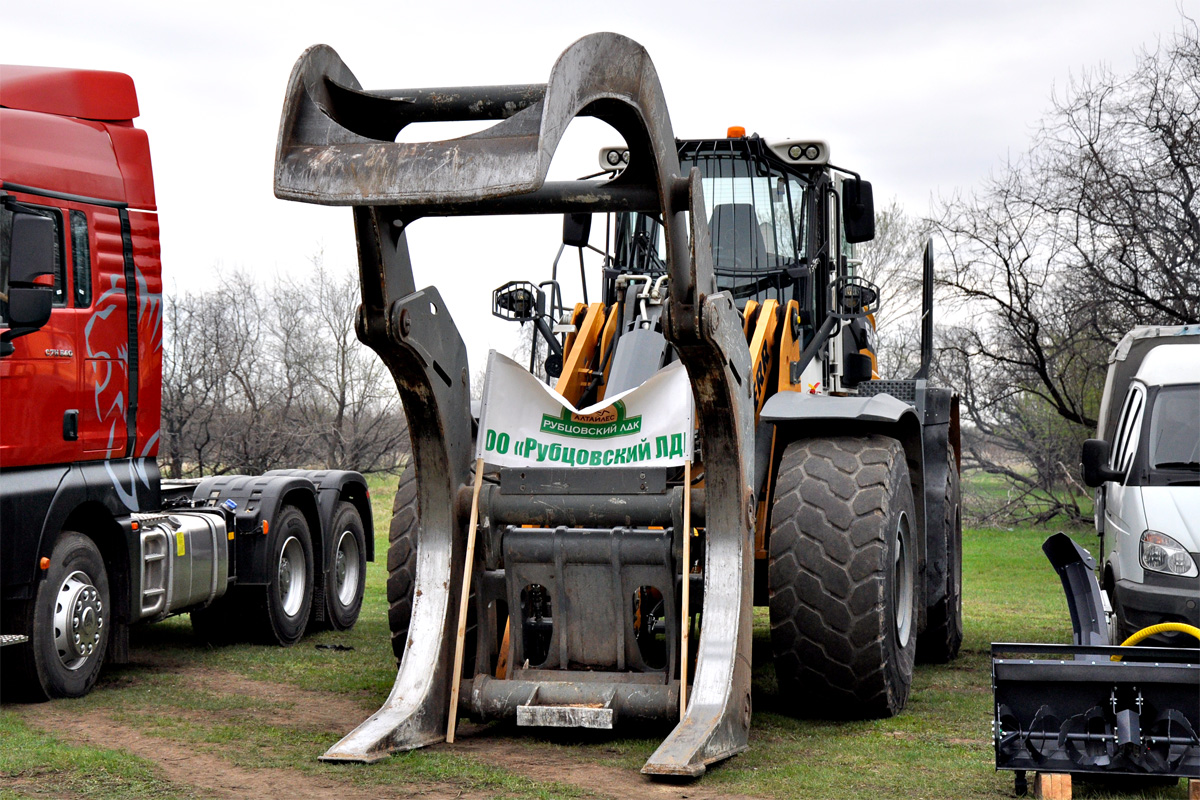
x: 736, y: 132
x: 802, y: 152
x: 614, y: 159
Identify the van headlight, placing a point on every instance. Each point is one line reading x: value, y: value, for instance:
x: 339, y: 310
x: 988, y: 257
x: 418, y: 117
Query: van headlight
x: 1161, y: 553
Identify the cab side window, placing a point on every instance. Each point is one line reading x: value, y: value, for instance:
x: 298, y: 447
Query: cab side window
x: 81, y: 260
x: 1126, y: 442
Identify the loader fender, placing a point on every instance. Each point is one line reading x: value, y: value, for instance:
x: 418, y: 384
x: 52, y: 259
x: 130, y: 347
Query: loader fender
x: 922, y: 426
x: 786, y: 407
x: 258, y: 498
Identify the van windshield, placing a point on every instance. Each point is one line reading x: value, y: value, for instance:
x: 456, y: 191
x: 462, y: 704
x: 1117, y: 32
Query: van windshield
x: 1175, y: 429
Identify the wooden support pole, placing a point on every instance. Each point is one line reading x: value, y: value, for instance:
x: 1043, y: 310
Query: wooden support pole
x: 466, y: 599
x: 687, y: 583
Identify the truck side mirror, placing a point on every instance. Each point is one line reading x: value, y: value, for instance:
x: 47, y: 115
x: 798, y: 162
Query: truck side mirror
x: 858, y: 210
x: 31, y: 257
x: 1096, y: 471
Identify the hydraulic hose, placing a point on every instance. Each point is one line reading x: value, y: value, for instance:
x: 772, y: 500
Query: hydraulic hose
x: 1163, y: 627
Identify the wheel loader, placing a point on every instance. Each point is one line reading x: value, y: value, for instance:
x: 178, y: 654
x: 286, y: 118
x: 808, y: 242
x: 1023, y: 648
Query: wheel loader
x: 812, y: 487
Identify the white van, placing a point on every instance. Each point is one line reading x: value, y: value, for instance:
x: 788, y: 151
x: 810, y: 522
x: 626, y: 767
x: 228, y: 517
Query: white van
x: 1146, y: 465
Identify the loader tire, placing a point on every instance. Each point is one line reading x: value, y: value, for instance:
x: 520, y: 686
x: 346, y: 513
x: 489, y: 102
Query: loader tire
x: 402, y: 560
x: 943, y: 634
x: 842, y: 577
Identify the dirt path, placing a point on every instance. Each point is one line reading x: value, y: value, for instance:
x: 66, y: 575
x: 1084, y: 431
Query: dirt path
x: 209, y: 774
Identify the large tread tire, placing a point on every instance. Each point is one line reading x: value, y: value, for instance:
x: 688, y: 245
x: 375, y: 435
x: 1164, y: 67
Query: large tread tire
x: 72, y: 599
x: 842, y: 577
x: 402, y: 560
x: 286, y: 602
x: 346, y: 574
x: 940, y: 641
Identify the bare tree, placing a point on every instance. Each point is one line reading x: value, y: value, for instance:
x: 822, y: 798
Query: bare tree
x: 261, y: 377
x: 1052, y: 260
x: 892, y: 261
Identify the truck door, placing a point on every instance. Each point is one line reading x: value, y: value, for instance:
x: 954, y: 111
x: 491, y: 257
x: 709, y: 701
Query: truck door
x: 39, y: 382
x: 1123, y: 513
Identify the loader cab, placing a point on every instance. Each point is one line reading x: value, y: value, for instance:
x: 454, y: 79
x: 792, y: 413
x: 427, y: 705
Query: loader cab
x: 758, y: 216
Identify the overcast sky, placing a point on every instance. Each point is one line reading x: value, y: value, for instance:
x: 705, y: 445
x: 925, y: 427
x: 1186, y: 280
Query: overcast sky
x: 924, y: 99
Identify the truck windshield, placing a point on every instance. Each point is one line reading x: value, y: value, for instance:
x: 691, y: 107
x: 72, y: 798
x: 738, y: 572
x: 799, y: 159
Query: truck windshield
x: 1175, y: 429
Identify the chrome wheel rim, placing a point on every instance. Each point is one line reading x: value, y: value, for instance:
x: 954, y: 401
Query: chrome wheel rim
x: 902, y: 585
x: 346, y: 568
x: 292, y: 577
x: 78, y: 620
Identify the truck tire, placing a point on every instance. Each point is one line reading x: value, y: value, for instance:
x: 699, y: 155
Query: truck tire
x: 346, y: 573
x: 71, y: 621
x: 842, y: 577
x: 402, y: 560
x: 942, y: 637
x: 287, y: 599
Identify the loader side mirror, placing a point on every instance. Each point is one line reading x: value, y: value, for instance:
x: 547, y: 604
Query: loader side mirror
x: 577, y: 229
x: 1096, y: 471
x: 858, y: 210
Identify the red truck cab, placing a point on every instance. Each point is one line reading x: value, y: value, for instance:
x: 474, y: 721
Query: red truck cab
x: 91, y: 540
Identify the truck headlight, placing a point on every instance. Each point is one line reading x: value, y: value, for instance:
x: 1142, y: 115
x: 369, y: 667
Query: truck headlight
x: 1161, y: 553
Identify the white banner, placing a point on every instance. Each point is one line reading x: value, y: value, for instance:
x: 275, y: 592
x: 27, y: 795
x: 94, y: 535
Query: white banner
x: 526, y: 423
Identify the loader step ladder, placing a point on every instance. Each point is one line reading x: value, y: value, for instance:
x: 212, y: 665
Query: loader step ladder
x: 13, y: 638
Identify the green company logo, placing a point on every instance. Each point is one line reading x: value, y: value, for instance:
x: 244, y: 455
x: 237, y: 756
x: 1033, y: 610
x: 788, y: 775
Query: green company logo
x: 604, y: 424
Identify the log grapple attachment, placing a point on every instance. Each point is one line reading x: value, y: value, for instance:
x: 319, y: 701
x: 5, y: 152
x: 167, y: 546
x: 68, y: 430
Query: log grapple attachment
x: 566, y: 582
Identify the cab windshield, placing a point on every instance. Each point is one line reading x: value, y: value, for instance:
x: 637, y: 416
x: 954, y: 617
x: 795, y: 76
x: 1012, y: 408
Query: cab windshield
x: 1175, y: 429
x: 757, y: 218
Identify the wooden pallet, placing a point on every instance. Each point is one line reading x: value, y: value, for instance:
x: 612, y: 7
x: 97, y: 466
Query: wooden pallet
x: 1057, y: 786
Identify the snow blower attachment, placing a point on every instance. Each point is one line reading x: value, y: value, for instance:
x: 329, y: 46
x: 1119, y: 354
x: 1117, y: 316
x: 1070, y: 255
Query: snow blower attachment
x: 1091, y: 707
x: 578, y: 579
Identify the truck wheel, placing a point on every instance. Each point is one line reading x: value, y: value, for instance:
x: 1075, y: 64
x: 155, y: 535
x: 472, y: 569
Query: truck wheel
x: 71, y: 622
x: 943, y: 632
x: 842, y: 577
x: 402, y: 560
x: 346, y: 575
x: 287, y: 600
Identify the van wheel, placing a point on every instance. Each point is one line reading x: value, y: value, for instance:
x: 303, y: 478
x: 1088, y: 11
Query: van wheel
x: 842, y: 577
x: 347, y: 570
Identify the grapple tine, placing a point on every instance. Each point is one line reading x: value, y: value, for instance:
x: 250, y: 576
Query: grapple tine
x: 717, y: 722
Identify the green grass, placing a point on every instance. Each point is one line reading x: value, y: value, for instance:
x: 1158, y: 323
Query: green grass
x: 940, y: 746
x: 34, y: 763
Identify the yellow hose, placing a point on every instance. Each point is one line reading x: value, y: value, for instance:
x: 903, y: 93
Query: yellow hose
x: 1163, y: 627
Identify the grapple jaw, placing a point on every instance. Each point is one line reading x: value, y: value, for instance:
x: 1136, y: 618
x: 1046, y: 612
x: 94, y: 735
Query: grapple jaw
x: 336, y: 147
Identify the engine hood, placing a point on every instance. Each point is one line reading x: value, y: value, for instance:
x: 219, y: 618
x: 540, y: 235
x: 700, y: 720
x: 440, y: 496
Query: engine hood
x: 1175, y: 511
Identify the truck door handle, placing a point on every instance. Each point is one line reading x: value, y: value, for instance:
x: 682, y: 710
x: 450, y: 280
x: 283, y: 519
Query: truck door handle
x: 71, y: 425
